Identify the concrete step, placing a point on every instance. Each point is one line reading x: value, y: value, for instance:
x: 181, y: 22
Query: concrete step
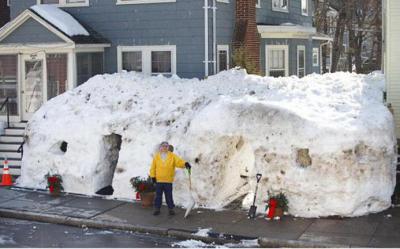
x: 11, y: 146
x: 14, y: 170
x: 11, y: 139
x: 14, y: 131
x: 18, y: 124
x: 10, y: 154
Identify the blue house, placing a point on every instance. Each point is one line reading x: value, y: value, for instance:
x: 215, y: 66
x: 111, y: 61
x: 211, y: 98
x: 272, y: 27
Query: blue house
x: 50, y: 46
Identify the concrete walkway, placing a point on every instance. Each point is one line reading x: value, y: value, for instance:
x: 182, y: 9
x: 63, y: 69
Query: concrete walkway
x: 376, y: 230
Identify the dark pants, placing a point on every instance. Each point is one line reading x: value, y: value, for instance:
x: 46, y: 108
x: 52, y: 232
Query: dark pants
x: 167, y: 189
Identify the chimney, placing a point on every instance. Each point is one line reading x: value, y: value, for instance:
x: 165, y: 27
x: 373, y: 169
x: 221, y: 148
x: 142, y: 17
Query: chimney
x: 246, y: 33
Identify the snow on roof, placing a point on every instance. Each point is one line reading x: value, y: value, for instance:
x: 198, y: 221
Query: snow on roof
x: 61, y: 19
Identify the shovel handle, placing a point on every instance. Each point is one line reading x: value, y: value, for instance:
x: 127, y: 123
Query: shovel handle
x: 258, y: 176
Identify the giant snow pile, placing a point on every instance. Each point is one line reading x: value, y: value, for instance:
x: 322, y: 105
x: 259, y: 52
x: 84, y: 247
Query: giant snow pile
x: 326, y: 141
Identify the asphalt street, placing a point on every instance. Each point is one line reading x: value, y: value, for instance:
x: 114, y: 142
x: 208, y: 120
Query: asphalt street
x: 20, y: 233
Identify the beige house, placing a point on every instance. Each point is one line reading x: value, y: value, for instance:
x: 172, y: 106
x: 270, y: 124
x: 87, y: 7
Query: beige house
x: 391, y: 18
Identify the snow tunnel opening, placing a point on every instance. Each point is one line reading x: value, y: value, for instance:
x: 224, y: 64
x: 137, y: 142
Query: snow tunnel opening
x: 112, y: 146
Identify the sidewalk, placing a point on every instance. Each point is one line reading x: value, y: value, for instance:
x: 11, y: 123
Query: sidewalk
x: 376, y: 230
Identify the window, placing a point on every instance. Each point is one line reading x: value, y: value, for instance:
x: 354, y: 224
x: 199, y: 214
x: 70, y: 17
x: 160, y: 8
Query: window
x: 161, y: 62
x: 68, y: 3
x: 143, y: 1
x: 88, y: 65
x: 132, y: 61
x: 8, y: 81
x: 315, y: 57
x: 151, y: 60
x: 304, y: 7
x: 301, y: 61
x: 223, y: 58
x: 56, y: 74
x: 277, y: 60
x: 280, y: 5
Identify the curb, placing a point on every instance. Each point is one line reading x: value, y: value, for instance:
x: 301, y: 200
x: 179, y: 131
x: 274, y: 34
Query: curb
x: 274, y: 243
x: 81, y: 222
x: 176, y: 233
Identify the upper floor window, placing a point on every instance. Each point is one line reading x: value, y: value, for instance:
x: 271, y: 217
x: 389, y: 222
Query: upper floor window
x: 68, y: 3
x: 304, y: 7
x: 280, y: 5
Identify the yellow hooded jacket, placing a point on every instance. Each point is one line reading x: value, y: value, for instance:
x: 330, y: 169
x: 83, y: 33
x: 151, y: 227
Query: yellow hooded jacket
x: 164, y: 171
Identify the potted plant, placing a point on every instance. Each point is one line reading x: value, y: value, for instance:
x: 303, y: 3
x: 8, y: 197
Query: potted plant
x: 54, y: 184
x: 277, y: 204
x: 145, y: 188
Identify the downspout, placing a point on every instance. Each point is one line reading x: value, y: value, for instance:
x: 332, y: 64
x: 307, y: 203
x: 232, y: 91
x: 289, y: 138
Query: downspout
x: 215, y: 36
x: 206, y: 38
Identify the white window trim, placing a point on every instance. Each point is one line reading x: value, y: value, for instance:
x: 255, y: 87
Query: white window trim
x: 63, y: 3
x: 258, y: 4
x: 302, y: 13
x: 315, y: 51
x: 123, y: 2
x: 280, y: 9
x: 223, y: 1
x: 269, y: 48
x: 301, y: 48
x: 223, y: 48
x: 146, y: 56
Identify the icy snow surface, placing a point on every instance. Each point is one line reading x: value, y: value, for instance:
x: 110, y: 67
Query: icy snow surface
x: 61, y: 19
x: 326, y: 141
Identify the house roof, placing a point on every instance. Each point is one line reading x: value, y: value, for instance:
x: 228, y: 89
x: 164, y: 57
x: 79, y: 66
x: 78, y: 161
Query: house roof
x: 67, y: 24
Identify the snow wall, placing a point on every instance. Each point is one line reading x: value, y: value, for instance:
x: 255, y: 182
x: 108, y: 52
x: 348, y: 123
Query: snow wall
x: 326, y: 141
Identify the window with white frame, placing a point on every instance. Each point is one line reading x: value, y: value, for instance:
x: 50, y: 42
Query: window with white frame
x: 151, y: 60
x: 223, y: 57
x: 277, y: 60
x: 143, y: 1
x: 301, y: 61
x: 69, y: 3
x: 280, y: 5
x: 315, y: 57
x: 304, y: 7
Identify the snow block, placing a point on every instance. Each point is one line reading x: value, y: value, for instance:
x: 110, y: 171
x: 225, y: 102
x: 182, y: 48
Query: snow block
x: 326, y: 141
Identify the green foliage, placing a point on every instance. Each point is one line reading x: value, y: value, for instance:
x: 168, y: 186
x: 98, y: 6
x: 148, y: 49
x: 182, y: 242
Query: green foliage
x: 240, y: 59
x: 143, y: 185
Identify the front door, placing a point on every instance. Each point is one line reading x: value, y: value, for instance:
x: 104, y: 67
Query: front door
x: 33, y: 84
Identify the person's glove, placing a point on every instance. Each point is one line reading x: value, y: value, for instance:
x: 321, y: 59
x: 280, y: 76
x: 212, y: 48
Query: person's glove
x: 153, y: 179
x: 188, y: 166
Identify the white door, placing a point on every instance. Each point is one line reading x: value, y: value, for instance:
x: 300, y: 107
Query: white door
x: 33, y: 84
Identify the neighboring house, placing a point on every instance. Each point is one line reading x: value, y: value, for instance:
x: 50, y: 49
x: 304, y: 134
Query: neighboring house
x: 4, y: 13
x: 45, y: 50
x: 391, y: 50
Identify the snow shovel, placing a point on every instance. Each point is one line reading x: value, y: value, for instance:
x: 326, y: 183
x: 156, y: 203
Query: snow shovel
x: 191, y: 202
x: 253, y: 208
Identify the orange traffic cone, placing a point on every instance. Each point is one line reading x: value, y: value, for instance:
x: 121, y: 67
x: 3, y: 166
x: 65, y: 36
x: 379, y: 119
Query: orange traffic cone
x: 6, y: 179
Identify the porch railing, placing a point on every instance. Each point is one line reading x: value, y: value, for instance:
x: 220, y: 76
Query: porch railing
x: 21, y: 149
x: 6, y: 104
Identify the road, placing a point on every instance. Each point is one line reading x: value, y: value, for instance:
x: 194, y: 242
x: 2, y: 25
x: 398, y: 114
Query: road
x: 20, y: 233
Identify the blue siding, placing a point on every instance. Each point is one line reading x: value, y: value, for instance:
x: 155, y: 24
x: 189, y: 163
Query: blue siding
x: 31, y: 32
x: 180, y: 24
x: 266, y: 15
x: 292, y: 44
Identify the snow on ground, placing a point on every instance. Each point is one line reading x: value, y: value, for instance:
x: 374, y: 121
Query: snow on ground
x: 203, y: 232
x: 5, y: 240
x: 199, y: 244
x: 326, y: 141
x: 61, y: 19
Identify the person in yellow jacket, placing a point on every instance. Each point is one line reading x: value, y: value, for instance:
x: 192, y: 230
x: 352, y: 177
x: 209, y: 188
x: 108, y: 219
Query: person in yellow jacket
x: 162, y: 172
